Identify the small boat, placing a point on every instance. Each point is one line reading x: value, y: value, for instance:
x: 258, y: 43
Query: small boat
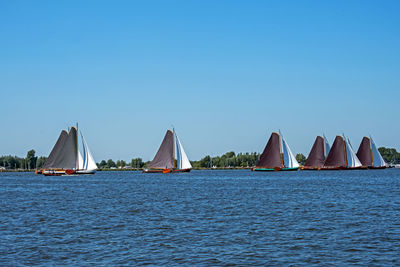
x: 342, y: 156
x: 66, y: 159
x: 369, y: 155
x: 277, y: 156
x: 318, y: 154
x: 164, y: 160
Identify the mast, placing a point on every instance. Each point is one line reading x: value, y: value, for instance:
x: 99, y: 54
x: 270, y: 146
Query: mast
x: 345, y: 152
x: 280, y: 148
x: 77, y: 148
x: 173, y: 148
x: 370, y: 149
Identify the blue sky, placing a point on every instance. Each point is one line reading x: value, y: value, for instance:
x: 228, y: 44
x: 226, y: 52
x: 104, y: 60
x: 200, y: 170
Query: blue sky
x: 224, y: 73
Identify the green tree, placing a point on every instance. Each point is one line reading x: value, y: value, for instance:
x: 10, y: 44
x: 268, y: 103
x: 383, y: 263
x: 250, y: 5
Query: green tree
x: 137, y: 163
x: 120, y: 164
x: 205, y: 162
x: 111, y: 164
x: 40, y: 162
x: 102, y: 164
x: 390, y: 155
x: 301, y: 158
x: 11, y: 162
x: 30, y: 159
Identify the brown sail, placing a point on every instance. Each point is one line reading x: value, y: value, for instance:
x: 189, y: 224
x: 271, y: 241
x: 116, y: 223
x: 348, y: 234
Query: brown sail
x: 65, y: 153
x: 364, y: 152
x: 271, y: 156
x: 68, y: 156
x: 164, y: 159
x: 56, y: 150
x: 336, y: 157
x: 316, y: 158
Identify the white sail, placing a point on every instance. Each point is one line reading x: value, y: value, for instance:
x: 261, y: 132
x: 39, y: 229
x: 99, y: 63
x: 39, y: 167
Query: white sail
x: 352, y: 159
x: 327, y: 147
x: 89, y: 163
x: 289, y: 160
x: 378, y: 161
x: 181, y: 157
x: 80, y: 160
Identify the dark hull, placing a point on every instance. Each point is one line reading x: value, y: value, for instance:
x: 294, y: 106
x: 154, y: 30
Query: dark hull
x: 341, y: 168
x: 84, y: 172
x: 182, y: 170
x: 376, y: 168
x: 261, y: 169
x: 310, y: 168
x: 152, y: 171
x: 165, y: 170
x: 64, y: 172
x: 56, y: 172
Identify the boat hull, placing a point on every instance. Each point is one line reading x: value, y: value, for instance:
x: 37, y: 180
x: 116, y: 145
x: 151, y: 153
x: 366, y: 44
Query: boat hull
x: 85, y: 172
x: 165, y: 170
x: 57, y: 172
x: 273, y: 169
x: 341, y: 168
x: 61, y: 172
x: 376, y: 168
x: 310, y: 168
x: 182, y: 170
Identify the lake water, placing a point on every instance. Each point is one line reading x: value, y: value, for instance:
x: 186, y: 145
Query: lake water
x: 202, y: 218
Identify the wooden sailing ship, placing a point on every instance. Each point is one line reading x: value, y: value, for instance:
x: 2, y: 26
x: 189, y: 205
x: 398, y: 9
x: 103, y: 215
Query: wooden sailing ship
x: 342, y: 156
x: 164, y: 160
x: 369, y: 154
x: 277, y: 156
x: 65, y: 157
x: 318, y: 154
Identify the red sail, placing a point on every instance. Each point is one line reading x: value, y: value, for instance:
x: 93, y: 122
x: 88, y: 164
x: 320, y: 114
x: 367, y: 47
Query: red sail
x: 336, y: 157
x: 364, y: 152
x: 271, y: 157
x: 316, y: 158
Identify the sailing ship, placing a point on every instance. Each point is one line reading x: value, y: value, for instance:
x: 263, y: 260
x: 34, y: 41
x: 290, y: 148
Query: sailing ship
x: 164, y: 160
x: 342, y: 156
x: 369, y: 154
x: 318, y: 154
x: 277, y: 156
x: 65, y: 157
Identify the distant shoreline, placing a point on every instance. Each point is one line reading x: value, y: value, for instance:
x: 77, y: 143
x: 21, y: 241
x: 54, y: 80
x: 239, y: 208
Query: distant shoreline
x: 140, y: 169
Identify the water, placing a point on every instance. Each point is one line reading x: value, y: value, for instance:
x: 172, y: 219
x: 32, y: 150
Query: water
x: 201, y: 218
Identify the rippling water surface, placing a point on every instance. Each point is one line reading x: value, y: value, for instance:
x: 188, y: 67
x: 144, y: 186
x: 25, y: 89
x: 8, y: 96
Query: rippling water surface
x: 202, y: 218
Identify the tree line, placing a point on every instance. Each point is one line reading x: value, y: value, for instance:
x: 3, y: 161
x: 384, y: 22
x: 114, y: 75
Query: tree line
x: 227, y: 160
x: 136, y: 163
x: 30, y: 162
x: 390, y: 155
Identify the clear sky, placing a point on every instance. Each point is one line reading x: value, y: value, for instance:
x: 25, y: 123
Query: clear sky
x: 224, y: 73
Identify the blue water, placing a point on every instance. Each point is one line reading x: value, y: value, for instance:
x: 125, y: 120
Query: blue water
x: 201, y: 218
